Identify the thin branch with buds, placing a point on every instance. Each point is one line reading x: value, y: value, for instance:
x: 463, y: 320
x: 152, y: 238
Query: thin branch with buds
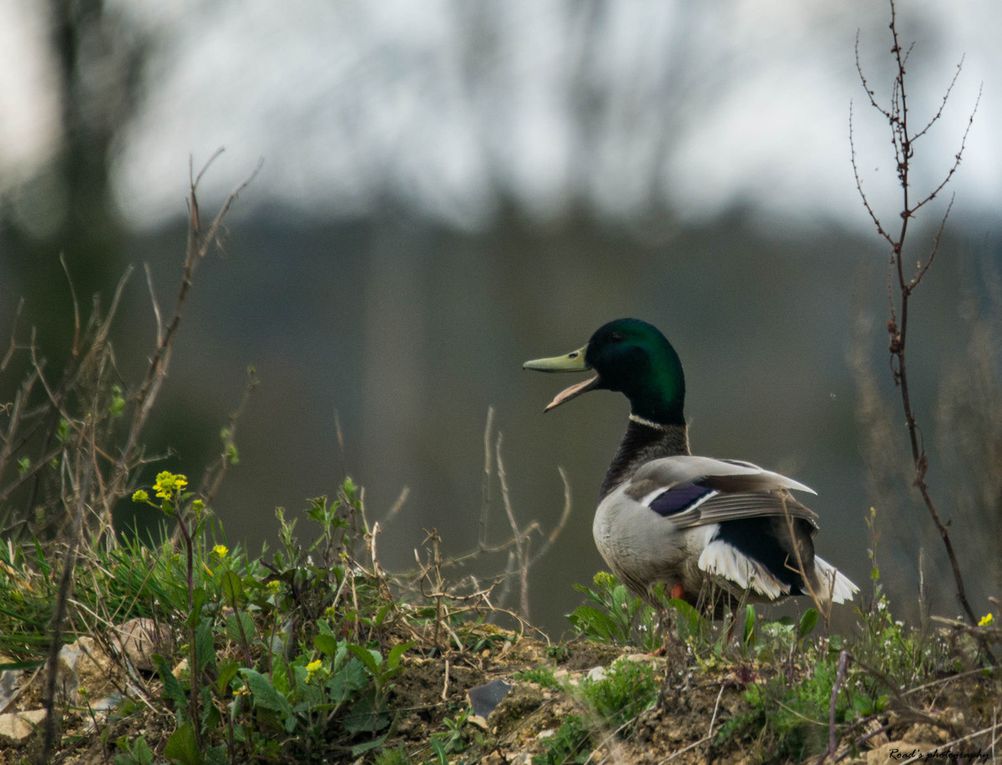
x: 904, y: 281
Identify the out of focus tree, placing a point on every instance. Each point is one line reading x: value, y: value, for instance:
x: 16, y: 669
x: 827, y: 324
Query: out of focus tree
x: 66, y: 208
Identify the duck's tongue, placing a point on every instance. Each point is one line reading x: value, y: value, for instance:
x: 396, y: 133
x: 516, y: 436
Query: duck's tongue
x: 568, y: 393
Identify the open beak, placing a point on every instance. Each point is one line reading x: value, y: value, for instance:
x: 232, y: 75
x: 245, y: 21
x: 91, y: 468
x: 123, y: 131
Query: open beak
x: 570, y: 362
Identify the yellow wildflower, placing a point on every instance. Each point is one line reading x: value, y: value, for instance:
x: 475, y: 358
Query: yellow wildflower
x: 221, y: 550
x: 168, y: 483
x: 312, y: 668
x: 986, y: 619
x: 140, y: 495
x: 604, y: 579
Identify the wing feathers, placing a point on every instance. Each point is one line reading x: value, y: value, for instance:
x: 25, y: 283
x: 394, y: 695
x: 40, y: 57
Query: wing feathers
x: 721, y: 559
x: 719, y: 508
x: 744, y: 476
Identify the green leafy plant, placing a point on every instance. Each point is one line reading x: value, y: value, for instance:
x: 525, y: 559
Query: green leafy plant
x: 614, y: 615
x: 542, y: 676
x: 396, y: 756
x: 570, y: 744
x: 904, y: 655
x: 451, y: 741
x: 133, y: 751
x: 626, y: 690
x: 276, y: 658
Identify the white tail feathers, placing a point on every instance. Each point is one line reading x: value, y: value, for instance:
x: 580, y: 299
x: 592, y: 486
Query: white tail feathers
x: 721, y: 559
x: 833, y: 584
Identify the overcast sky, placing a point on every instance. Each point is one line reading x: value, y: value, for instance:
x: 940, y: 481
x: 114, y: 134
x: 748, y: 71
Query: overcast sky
x: 439, y: 105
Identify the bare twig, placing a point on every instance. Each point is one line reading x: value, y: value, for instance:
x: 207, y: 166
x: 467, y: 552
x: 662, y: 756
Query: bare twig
x: 12, y: 344
x: 956, y: 157
x: 858, y: 177
x: 984, y: 633
x: 843, y: 663
x: 445, y: 682
x: 903, y: 139
x: 565, y: 515
x: 485, y: 502
x: 213, y: 476
x: 716, y: 708
x: 942, y: 104
x: 520, y: 537
x: 155, y: 303
x: 79, y: 480
x: 709, y: 733
x: 397, y: 506
x: 75, y: 347
x: 821, y: 604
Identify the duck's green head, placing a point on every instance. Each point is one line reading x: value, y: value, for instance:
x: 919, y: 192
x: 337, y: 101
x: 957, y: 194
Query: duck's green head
x: 629, y: 356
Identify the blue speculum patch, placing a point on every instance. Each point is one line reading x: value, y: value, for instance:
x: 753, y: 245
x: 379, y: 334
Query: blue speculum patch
x: 679, y: 498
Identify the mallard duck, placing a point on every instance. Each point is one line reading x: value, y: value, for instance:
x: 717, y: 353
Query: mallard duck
x: 667, y: 516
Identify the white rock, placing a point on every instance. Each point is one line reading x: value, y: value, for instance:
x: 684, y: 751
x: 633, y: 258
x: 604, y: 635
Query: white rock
x: 9, y: 680
x: 82, y: 662
x: 15, y: 727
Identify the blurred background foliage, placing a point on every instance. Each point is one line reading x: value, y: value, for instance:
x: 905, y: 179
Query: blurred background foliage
x: 450, y: 188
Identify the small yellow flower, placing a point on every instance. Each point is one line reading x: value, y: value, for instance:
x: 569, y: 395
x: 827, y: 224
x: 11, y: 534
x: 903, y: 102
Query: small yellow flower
x: 168, y: 483
x: 274, y: 586
x: 198, y: 505
x: 604, y: 579
x: 986, y: 619
x: 221, y: 550
x: 312, y: 668
x: 140, y: 495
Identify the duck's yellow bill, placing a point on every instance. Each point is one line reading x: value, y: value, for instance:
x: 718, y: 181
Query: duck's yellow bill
x: 569, y: 362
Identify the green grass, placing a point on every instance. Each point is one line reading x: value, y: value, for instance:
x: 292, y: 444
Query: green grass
x: 628, y: 688
x: 542, y: 676
x: 614, y: 701
x: 570, y: 744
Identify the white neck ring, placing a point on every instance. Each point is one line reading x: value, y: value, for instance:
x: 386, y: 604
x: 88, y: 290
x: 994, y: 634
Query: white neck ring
x: 647, y: 423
